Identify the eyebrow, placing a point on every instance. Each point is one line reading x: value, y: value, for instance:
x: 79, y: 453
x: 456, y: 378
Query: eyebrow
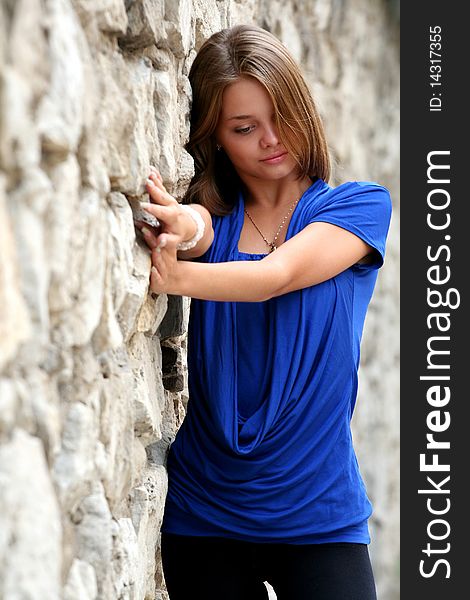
x: 240, y: 117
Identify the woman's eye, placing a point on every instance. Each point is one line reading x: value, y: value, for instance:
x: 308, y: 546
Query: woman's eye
x: 244, y: 130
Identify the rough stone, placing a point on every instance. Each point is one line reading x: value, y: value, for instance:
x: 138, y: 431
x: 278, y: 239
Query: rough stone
x: 93, y: 374
x: 74, y: 466
x: 60, y: 113
x: 94, y: 534
x: 14, y: 318
x: 81, y: 582
x: 24, y: 79
x: 30, y: 531
x: 145, y: 24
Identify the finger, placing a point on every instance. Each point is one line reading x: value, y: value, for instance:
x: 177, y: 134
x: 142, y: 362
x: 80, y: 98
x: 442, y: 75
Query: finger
x: 157, y: 180
x: 155, y: 171
x: 161, y: 242
x: 168, y: 240
x: 166, y: 215
x: 161, y: 265
x: 149, y: 237
x: 156, y: 281
x: 172, y: 240
x: 140, y: 224
x: 161, y: 196
x: 157, y: 250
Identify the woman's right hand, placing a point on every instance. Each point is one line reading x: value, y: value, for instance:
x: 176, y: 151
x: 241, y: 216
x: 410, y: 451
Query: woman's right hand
x: 173, y: 218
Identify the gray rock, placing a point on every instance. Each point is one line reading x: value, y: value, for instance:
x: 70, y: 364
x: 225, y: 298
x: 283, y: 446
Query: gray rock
x: 93, y: 376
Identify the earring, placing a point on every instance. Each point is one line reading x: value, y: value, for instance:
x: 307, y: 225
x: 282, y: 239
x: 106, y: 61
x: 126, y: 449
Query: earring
x: 219, y: 147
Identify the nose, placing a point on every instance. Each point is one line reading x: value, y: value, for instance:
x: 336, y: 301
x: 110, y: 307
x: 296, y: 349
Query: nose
x: 270, y: 136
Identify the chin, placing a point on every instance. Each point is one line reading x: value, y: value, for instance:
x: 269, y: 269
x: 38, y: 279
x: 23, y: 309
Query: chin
x: 280, y: 172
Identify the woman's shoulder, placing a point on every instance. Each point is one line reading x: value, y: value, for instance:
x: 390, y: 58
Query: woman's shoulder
x: 351, y: 188
x: 361, y: 201
x: 349, y: 192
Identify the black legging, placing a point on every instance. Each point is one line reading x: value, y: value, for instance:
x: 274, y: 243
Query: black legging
x: 224, y: 569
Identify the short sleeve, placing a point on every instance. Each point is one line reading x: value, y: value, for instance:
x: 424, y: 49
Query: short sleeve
x: 363, y: 208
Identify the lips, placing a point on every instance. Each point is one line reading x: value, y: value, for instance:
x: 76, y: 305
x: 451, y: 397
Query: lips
x: 274, y: 156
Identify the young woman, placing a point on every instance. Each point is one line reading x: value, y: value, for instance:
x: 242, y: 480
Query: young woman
x: 263, y: 480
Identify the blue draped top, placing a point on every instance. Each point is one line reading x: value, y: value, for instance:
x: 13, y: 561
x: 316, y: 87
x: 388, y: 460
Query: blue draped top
x: 265, y: 452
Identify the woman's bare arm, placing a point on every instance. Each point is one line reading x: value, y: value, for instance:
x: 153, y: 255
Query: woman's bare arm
x: 317, y: 253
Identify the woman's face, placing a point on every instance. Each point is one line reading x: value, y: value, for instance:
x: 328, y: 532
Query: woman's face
x: 247, y: 132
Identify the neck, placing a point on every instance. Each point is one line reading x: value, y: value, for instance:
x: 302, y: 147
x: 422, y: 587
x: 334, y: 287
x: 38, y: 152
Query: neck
x: 275, y: 194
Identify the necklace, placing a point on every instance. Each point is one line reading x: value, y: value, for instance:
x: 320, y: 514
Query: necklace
x: 272, y: 245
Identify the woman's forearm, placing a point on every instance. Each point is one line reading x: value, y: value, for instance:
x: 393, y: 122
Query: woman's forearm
x: 237, y: 281
x: 206, y: 240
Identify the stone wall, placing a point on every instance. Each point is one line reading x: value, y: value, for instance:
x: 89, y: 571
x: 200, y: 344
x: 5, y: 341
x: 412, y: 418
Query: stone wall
x: 92, y: 367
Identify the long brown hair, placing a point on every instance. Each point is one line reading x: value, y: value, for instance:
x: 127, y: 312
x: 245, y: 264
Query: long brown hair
x: 228, y: 55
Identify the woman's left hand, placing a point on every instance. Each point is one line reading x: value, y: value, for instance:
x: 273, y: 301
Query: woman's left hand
x: 163, y: 276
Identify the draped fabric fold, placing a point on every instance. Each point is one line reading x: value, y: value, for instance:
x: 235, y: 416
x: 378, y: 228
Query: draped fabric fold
x: 285, y: 469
